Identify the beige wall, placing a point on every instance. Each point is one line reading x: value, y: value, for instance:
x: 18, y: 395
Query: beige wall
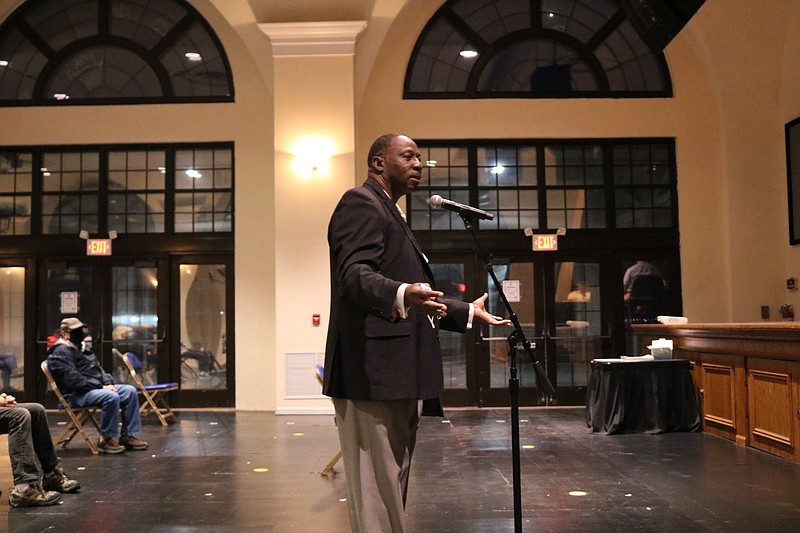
x: 735, y: 75
x: 749, y: 50
x: 727, y: 67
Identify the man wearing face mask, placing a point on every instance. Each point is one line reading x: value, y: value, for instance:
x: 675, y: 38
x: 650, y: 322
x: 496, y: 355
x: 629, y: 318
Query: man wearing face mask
x: 78, y: 374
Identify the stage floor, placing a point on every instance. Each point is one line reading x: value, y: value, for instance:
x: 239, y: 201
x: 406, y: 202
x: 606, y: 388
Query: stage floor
x: 226, y: 471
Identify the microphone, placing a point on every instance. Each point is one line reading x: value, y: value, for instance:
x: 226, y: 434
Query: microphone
x: 438, y: 202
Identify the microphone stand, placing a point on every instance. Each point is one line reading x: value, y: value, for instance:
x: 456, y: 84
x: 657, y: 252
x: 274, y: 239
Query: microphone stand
x: 515, y: 340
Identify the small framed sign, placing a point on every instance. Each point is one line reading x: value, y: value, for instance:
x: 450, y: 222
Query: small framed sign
x: 792, y: 130
x: 98, y: 246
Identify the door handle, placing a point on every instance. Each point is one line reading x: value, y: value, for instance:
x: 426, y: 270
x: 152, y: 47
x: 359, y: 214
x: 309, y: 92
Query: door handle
x: 132, y: 340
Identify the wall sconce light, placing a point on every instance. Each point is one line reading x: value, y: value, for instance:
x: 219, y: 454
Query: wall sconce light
x: 308, y: 165
x: 313, y: 156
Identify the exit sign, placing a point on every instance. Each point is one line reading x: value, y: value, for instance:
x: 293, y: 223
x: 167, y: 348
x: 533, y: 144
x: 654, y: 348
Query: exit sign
x: 545, y: 243
x: 98, y: 246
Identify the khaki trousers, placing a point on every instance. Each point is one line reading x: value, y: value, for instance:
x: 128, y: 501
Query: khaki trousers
x: 377, y: 439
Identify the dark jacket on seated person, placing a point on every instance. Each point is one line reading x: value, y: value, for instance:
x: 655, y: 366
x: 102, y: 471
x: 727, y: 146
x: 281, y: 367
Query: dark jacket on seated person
x: 75, y: 371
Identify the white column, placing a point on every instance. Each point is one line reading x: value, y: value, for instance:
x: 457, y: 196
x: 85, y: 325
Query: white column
x: 314, y: 152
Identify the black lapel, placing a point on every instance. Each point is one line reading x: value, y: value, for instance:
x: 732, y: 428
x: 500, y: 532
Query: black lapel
x: 392, y: 208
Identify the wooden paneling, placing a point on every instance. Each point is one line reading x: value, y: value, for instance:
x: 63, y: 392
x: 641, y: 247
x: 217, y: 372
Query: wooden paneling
x: 748, y: 379
x: 723, y: 396
x: 719, y: 407
x: 772, y: 401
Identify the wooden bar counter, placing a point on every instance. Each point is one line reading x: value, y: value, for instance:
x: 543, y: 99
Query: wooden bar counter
x: 747, y: 376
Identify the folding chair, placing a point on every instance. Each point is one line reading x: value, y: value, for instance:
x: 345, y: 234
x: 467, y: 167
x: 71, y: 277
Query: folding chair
x: 319, y: 372
x: 77, y: 416
x: 154, y: 402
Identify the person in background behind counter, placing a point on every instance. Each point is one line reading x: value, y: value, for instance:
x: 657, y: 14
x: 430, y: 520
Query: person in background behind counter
x: 581, y: 294
x: 639, y: 268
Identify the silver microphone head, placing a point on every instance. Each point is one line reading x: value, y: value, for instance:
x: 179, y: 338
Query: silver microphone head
x: 435, y: 201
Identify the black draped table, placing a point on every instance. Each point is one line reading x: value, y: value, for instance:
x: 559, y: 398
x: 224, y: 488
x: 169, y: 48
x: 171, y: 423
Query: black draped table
x: 641, y: 397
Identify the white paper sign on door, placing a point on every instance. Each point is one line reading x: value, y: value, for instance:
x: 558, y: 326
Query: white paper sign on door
x: 511, y: 289
x: 69, y: 302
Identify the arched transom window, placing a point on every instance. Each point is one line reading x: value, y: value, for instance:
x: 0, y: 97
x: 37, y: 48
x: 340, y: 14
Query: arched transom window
x: 534, y: 49
x: 110, y: 51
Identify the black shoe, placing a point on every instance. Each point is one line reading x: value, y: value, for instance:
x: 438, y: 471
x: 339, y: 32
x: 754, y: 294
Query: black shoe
x: 33, y: 496
x: 58, y: 481
x: 132, y: 443
x: 109, y: 445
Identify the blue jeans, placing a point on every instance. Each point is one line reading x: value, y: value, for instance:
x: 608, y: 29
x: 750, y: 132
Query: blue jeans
x: 126, y: 400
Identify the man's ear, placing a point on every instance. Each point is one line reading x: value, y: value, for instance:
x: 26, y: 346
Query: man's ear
x: 377, y: 163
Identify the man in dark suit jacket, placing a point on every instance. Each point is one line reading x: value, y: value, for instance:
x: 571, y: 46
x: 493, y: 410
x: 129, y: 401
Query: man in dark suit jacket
x: 383, y: 360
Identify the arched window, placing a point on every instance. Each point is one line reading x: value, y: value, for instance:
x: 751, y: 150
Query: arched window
x: 534, y: 49
x: 110, y: 52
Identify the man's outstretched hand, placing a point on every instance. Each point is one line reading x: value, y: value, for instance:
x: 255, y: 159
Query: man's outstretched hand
x: 482, y: 314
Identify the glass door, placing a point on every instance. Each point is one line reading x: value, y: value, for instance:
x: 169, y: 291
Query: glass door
x: 174, y: 320
x: 459, y: 377
x: 560, y: 307
x: 134, y: 324
x: 575, y: 331
x: 12, y: 331
x: 521, y: 282
x: 120, y: 302
x: 203, y: 350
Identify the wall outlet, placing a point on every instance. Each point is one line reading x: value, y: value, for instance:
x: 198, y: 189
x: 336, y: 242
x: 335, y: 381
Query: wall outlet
x: 765, y: 312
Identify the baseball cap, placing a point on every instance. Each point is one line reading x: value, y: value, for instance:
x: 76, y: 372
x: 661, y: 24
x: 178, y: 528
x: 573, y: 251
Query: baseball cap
x: 71, y: 323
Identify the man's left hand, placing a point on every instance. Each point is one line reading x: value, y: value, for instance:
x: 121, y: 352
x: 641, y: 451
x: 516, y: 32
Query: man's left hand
x: 482, y: 314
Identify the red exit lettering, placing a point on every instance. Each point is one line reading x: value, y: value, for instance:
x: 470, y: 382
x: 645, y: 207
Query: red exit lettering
x: 545, y: 243
x: 98, y: 247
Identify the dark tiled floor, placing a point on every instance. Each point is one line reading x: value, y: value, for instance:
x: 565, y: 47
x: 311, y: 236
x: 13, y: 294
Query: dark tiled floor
x: 202, y: 475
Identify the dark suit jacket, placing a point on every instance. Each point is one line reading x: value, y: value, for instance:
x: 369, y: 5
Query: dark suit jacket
x: 371, y: 354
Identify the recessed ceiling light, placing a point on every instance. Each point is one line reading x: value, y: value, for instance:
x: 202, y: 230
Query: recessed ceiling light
x: 192, y: 173
x: 3, y: 63
x: 61, y: 96
x: 193, y: 56
x: 469, y: 54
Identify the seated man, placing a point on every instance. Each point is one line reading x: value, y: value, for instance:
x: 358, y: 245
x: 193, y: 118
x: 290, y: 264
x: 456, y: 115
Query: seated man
x: 29, y: 439
x: 84, y: 382
x: 581, y: 294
